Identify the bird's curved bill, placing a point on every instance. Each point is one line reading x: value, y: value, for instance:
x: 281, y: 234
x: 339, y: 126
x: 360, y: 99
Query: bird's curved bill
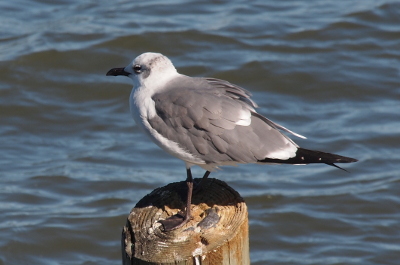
x: 118, y: 71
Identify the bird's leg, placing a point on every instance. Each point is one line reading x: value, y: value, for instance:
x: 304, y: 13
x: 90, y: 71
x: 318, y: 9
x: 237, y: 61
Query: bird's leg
x: 201, y: 182
x: 178, y: 220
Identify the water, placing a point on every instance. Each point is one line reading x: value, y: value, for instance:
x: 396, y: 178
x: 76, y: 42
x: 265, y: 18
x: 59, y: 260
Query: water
x: 73, y: 163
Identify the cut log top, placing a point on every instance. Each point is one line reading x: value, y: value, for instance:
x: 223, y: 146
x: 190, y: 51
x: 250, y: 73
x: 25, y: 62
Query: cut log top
x: 216, y: 234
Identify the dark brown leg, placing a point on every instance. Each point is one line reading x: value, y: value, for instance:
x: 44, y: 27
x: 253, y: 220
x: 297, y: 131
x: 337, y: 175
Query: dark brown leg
x: 201, y: 182
x: 178, y: 220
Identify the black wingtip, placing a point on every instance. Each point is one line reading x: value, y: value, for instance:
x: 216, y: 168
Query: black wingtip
x: 305, y: 156
x: 333, y: 165
x: 311, y: 156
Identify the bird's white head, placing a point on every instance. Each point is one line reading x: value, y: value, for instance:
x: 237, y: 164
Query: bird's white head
x: 147, y: 68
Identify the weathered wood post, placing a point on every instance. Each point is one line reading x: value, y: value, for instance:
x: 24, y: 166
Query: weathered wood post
x: 217, y: 233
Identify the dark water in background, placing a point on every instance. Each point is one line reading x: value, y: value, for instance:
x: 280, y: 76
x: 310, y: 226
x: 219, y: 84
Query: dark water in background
x: 73, y: 163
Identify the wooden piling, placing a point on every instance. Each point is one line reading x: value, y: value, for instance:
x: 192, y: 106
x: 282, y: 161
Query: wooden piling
x: 217, y: 233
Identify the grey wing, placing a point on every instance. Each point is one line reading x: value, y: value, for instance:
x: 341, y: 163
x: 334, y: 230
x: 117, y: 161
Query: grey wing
x: 242, y: 94
x: 216, y: 122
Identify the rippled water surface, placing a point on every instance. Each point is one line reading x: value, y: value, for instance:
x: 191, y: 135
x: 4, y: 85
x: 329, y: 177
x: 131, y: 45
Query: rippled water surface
x: 73, y: 162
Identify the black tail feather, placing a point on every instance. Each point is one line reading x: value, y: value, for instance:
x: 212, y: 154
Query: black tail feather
x: 305, y: 156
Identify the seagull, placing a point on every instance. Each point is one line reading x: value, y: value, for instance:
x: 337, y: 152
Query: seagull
x: 207, y: 122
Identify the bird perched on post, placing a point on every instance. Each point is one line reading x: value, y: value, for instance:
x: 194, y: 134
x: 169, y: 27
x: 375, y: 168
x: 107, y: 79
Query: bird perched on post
x: 207, y: 122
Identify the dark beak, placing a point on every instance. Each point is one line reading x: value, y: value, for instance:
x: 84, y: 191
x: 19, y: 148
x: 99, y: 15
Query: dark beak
x: 118, y: 71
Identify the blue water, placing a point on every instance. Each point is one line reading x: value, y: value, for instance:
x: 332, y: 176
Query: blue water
x: 73, y: 163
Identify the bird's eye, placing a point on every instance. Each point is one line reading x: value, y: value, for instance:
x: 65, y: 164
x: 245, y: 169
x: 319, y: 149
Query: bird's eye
x: 137, y: 68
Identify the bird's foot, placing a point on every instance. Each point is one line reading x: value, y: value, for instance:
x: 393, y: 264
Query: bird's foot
x: 174, y: 222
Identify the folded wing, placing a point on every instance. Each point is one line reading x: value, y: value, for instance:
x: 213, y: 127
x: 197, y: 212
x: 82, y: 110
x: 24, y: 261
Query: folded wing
x: 217, y: 122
